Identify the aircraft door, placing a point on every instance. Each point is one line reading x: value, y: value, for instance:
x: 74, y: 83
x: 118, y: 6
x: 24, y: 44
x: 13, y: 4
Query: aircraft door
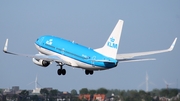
x: 93, y: 59
x: 62, y: 51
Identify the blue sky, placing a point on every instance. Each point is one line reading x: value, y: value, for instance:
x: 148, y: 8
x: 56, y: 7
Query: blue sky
x: 148, y: 25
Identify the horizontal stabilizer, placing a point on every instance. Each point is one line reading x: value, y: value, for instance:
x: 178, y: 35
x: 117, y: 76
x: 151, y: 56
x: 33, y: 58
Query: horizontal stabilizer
x: 132, y: 55
x: 136, y: 60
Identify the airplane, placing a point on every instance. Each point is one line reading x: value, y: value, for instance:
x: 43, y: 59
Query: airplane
x: 65, y: 52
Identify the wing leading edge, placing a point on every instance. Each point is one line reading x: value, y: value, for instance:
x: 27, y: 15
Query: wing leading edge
x: 124, y: 57
x: 49, y: 58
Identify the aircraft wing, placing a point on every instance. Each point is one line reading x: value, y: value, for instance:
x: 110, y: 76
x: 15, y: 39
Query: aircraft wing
x: 49, y: 58
x: 123, y: 57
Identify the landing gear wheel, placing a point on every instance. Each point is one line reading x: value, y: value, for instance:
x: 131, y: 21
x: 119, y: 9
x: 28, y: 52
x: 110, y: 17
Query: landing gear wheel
x: 87, y: 72
x: 91, y: 72
x: 61, y: 71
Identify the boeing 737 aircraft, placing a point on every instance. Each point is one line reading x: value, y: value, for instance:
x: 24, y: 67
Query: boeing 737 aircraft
x: 64, y: 52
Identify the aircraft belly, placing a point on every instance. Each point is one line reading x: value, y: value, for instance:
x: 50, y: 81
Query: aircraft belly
x: 79, y: 64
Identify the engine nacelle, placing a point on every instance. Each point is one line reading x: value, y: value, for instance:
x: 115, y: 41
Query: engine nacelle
x: 42, y: 63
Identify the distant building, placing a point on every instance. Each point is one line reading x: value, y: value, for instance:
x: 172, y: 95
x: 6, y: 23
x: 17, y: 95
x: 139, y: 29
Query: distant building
x: 15, y: 88
x: 36, y: 91
x: 95, y: 97
x: 6, y: 91
x: 9, y: 94
x: 85, y: 96
x: 178, y: 95
x: 99, y: 97
x: 64, y: 96
x: 49, y: 88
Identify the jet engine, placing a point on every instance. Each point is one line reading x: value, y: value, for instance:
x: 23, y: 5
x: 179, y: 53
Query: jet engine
x: 42, y: 63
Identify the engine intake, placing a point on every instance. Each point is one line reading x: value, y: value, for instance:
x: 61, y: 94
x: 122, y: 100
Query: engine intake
x: 42, y: 63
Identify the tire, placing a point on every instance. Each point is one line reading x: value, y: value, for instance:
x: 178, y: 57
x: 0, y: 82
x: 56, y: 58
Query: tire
x: 86, y: 72
x: 91, y: 72
x: 59, y: 71
x: 63, y: 72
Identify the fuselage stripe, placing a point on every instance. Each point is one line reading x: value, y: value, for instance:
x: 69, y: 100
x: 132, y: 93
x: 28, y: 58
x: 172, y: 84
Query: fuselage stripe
x: 90, y: 63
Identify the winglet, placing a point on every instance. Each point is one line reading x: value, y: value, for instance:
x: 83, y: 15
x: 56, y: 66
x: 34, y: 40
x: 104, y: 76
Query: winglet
x: 172, y: 45
x: 5, y: 46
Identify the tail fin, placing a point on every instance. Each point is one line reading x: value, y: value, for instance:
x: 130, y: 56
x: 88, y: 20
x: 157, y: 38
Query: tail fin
x: 111, y: 46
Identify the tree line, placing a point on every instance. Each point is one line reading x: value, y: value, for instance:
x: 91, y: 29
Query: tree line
x: 134, y: 95
x: 114, y: 94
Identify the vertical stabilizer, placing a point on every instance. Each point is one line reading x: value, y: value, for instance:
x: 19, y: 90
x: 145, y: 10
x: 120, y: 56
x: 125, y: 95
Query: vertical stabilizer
x: 111, y: 46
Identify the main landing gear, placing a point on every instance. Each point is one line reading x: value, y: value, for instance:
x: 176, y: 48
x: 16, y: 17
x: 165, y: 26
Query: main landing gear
x: 87, y: 72
x: 61, y: 71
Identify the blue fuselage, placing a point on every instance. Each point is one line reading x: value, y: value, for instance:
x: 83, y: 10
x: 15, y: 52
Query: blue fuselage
x: 75, y: 51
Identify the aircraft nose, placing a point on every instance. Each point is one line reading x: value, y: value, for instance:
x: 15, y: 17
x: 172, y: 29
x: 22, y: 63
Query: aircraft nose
x: 39, y: 40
